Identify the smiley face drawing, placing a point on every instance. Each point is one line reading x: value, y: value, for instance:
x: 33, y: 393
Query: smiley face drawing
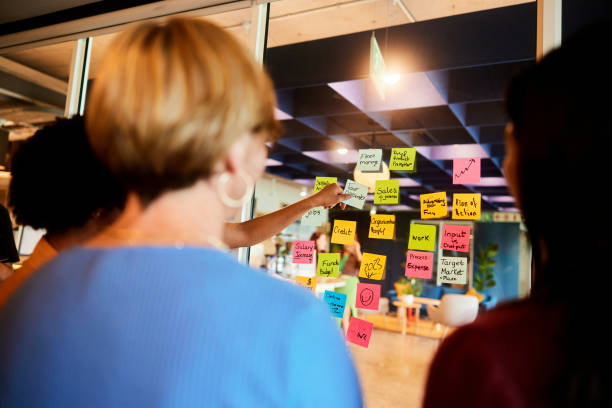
x: 366, y: 296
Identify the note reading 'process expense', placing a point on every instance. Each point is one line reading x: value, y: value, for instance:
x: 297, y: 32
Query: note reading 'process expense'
x: 368, y: 296
x: 452, y: 269
x: 466, y: 206
x: 314, y: 217
x: 455, y: 238
x: 434, y: 205
x: 422, y: 237
x: 307, y: 282
x: 382, y: 226
x: 344, y: 232
x: 419, y: 264
x: 303, y: 252
x: 328, y: 264
x: 372, y: 266
x: 370, y: 160
x: 466, y: 171
x: 336, y: 302
x: 386, y: 192
x: 403, y: 159
x: 359, y: 193
x: 359, y: 332
x: 321, y: 182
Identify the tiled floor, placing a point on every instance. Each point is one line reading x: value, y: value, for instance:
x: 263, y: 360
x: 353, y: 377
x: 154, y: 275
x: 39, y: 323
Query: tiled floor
x: 393, y: 370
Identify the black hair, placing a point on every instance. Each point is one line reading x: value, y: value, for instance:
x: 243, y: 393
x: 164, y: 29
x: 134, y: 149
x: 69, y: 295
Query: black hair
x: 57, y: 182
x: 559, y: 110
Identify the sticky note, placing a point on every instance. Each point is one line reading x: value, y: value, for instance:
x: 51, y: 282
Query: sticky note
x: 386, y: 192
x: 382, y: 226
x: 403, y: 160
x: 455, y: 238
x: 321, y: 182
x: 359, y: 332
x: 359, y: 192
x: 370, y: 160
x: 422, y: 237
x: 328, y: 264
x: 303, y: 252
x: 368, y: 296
x: 434, y: 205
x: 344, y: 232
x: 307, y: 282
x: 372, y: 266
x: 315, y: 217
x: 452, y: 269
x: 466, y: 171
x: 336, y: 302
x: 419, y: 264
x: 466, y: 206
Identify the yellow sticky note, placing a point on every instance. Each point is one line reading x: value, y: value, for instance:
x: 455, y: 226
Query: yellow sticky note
x: 309, y: 283
x: 403, y: 159
x: 321, y: 182
x: 382, y: 226
x: 434, y: 205
x: 372, y: 266
x: 344, y: 232
x: 466, y: 206
x: 386, y: 192
x: 422, y: 237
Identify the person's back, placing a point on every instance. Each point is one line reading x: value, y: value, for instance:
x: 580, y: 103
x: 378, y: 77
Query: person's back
x: 168, y: 327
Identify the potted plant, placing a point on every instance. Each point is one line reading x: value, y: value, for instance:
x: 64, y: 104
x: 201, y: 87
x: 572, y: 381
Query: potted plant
x: 408, y: 289
x: 484, y: 275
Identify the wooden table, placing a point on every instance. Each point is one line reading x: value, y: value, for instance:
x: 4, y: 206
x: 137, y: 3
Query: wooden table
x: 416, y: 305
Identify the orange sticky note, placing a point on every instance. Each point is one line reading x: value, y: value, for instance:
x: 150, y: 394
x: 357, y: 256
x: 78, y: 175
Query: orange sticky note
x: 434, y: 205
x: 466, y: 206
x: 344, y: 232
x: 309, y: 283
x: 382, y: 226
x: 372, y: 266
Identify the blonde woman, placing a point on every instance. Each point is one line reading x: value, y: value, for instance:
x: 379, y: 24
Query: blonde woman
x: 152, y: 312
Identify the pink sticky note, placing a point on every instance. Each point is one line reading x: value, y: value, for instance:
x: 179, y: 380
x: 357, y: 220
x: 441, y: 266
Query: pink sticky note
x: 368, y: 296
x: 359, y: 332
x: 455, y: 238
x: 466, y: 171
x: 303, y: 252
x: 419, y: 264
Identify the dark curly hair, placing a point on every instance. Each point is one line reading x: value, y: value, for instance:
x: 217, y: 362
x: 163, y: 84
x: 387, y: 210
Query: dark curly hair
x: 57, y: 181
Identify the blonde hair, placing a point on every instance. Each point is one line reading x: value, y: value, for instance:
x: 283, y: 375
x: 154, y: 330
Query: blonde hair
x: 170, y: 99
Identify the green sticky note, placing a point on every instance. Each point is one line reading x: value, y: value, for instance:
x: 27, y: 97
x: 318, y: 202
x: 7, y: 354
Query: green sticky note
x: 386, y: 192
x: 328, y: 264
x: 403, y: 160
x: 321, y: 182
x: 422, y: 237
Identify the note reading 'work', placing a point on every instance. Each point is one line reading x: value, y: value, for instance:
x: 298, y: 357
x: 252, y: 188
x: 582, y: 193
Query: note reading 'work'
x: 328, y: 264
x: 382, y: 226
x: 370, y: 160
x: 422, y: 237
x: 419, y: 264
x: 455, y: 238
x: 359, y: 193
x: 466, y: 171
x: 466, y: 206
x: 403, y: 159
x: 321, y: 182
x: 452, y: 269
x: 368, y: 296
x: 344, y: 232
x: 434, y: 205
x: 359, y: 332
x: 372, y: 266
x: 303, y: 252
x: 386, y: 192
x: 336, y: 302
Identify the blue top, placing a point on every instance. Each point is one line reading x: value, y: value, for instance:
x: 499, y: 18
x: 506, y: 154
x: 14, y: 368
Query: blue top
x: 167, y: 327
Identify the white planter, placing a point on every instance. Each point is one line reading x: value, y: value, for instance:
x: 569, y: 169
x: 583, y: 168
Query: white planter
x: 408, y: 299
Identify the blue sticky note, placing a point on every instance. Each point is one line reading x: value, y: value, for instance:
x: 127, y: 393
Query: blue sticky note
x: 335, y: 302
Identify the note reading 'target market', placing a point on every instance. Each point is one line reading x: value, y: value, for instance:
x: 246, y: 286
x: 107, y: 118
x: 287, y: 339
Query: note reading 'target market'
x: 452, y: 269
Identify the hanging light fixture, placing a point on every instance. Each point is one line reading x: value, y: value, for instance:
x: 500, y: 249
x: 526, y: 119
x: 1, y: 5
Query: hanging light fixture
x: 369, y: 179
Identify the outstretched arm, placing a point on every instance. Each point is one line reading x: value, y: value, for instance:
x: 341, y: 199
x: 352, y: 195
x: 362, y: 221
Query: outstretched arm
x: 241, y: 234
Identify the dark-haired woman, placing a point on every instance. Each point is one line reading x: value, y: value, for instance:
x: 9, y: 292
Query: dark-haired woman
x: 549, y: 350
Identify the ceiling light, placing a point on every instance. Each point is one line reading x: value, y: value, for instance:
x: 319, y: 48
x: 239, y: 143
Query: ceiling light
x: 369, y: 179
x: 392, y: 79
x: 342, y: 151
x: 303, y: 192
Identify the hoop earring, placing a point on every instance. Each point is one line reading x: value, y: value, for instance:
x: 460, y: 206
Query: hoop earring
x: 233, y: 202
